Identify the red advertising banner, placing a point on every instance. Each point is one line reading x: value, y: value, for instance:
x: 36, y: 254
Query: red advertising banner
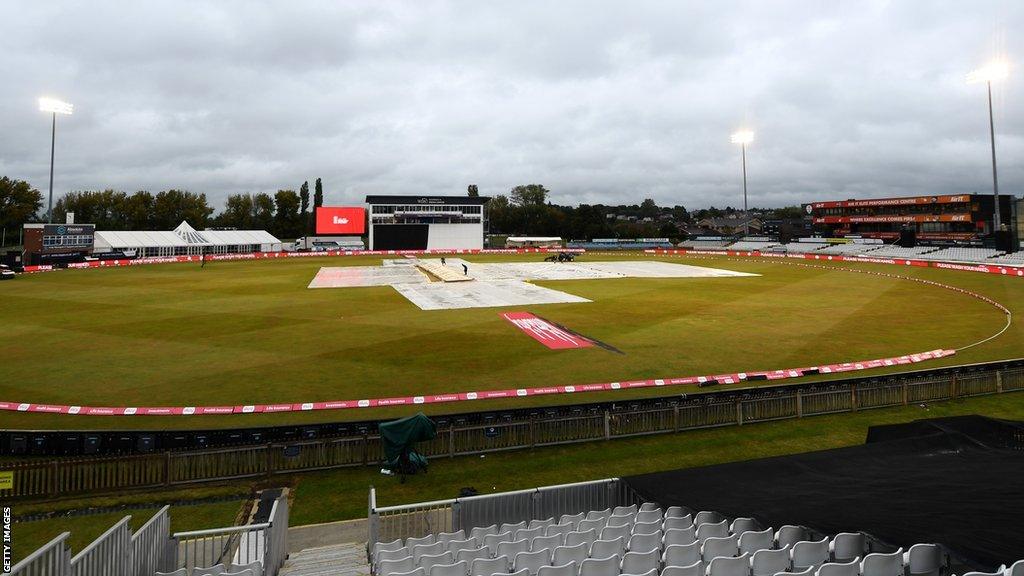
x: 911, y: 201
x: 340, y: 220
x: 548, y: 334
x: 895, y: 219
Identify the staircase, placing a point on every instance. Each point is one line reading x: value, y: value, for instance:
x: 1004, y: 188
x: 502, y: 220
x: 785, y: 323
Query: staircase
x: 335, y: 560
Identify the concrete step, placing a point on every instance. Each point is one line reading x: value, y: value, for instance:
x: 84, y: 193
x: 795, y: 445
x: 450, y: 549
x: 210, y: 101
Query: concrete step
x: 335, y: 560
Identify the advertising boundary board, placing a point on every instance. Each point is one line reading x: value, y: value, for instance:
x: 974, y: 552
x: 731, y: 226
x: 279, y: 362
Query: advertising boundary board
x: 733, y: 378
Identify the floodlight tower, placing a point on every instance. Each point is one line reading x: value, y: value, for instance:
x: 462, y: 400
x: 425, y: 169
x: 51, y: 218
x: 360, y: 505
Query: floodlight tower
x: 54, y: 107
x: 994, y: 71
x: 744, y: 137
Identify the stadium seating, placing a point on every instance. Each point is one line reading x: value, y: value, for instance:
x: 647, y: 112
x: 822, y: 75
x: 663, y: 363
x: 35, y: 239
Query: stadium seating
x: 961, y: 254
x: 1011, y: 259
x: 752, y: 245
x: 850, y: 249
x: 711, y: 545
x: 892, y: 251
x: 800, y: 247
x: 704, y: 244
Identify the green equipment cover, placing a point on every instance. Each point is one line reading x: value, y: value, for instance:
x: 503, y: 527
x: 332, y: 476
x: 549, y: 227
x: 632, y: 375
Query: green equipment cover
x: 399, y: 437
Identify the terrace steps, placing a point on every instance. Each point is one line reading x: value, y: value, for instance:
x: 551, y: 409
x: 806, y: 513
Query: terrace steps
x: 347, y: 559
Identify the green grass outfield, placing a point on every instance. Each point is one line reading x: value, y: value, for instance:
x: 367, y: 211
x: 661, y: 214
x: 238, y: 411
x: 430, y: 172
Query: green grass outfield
x: 251, y: 332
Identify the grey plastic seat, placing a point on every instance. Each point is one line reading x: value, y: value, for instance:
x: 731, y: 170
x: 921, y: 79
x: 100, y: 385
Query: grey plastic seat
x: 651, y: 572
x: 676, y: 512
x: 492, y: 541
x: 215, y: 570
x: 741, y: 525
x: 523, y: 572
x: 421, y: 550
x: 547, y: 542
x: 480, y: 531
x: 633, y: 509
x: 1016, y: 569
x: 847, y: 546
x: 648, y: 506
x: 446, y: 537
x: 574, y: 538
x: 531, y: 561
x: 789, y: 535
x: 509, y: 527
x: 600, y: 566
x: 599, y: 514
x: 565, y: 554
x: 510, y: 549
x: 640, y: 562
x: 255, y: 567
x: 607, y: 548
x: 725, y: 566
x: 707, y: 517
x: 529, y: 533
x: 712, y: 530
x: 716, y: 547
x: 681, y: 554
x: 382, y: 546
x: 560, y: 529
x: 646, y: 527
x: 851, y: 568
x: 428, y: 539
x: 456, y: 569
x: 415, y: 572
x: 245, y: 572
x: 541, y: 523
x: 679, y: 536
x: 678, y: 522
x: 573, y: 519
x: 645, y: 542
x: 621, y: 520
x: 488, y: 566
x: 456, y: 546
x: 386, y: 567
x: 883, y: 564
x: 596, y: 524
x: 751, y: 541
x: 807, y: 572
x: 391, y: 555
x: 924, y: 560
x: 471, y: 555
x: 430, y: 560
x: 567, y: 569
x: 1000, y: 572
x: 769, y: 562
x: 809, y: 554
x: 178, y: 572
x: 613, y: 532
x: 650, y: 516
x: 695, y: 569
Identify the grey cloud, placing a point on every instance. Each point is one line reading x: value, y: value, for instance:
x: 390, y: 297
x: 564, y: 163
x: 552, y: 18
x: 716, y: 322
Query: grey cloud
x: 600, y: 101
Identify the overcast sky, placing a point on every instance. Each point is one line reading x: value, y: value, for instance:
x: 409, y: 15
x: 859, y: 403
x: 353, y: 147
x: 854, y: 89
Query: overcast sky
x: 605, y: 102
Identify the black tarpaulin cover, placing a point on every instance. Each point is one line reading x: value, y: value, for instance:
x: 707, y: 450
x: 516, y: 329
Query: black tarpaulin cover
x: 954, y: 481
x: 399, y: 437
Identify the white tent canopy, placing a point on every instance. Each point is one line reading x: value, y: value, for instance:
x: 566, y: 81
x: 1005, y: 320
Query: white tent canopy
x: 185, y: 240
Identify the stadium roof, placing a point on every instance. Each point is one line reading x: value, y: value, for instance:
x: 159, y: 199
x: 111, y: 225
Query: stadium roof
x: 427, y: 200
x: 183, y: 235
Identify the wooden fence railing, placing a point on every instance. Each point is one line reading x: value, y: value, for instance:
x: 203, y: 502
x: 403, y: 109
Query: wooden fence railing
x: 47, y: 479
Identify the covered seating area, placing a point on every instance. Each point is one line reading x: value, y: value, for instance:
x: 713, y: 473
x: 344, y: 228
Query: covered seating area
x: 184, y: 241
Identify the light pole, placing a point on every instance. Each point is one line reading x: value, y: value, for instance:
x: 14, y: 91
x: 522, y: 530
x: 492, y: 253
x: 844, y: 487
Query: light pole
x: 54, y: 107
x: 744, y: 137
x: 994, y: 71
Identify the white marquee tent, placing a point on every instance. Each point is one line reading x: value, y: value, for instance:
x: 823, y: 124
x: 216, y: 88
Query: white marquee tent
x: 185, y: 240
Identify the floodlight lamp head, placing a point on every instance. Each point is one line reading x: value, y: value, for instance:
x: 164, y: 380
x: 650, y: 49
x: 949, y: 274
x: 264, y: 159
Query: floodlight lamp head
x: 55, y: 106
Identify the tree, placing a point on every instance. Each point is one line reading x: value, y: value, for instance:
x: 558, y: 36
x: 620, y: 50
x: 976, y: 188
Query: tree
x: 529, y: 195
x: 499, y: 215
x: 19, y: 203
x: 262, y: 212
x: 648, y: 209
x: 238, y: 211
x: 318, y: 196
x: 287, y: 219
x: 138, y: 211
x: 473, y: 191
x: 172, y: 206
x: 303, y: 212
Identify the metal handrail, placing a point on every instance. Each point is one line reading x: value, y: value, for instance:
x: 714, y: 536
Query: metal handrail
x: 227, y: 530
x: 40, y: 551
x: 150, y: 522
x: 92, y: 545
